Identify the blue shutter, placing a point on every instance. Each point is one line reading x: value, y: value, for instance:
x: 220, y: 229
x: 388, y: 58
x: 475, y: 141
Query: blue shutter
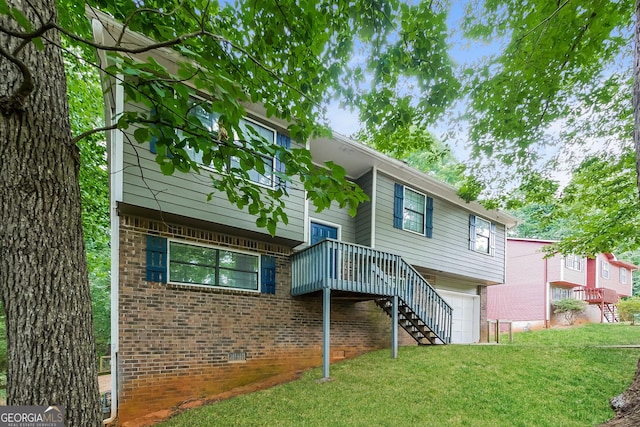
x: 472, y: 232
x: 268, y: 274
x: 156, y: 259
x: 398, y: 206
x: 152, y: 143
x: 492, y: 240
x: 285, y: 142
x: 428, y: 218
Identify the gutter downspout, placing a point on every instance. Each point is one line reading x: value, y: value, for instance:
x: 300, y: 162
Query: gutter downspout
x: 115, y: 165
x: 546, y: 294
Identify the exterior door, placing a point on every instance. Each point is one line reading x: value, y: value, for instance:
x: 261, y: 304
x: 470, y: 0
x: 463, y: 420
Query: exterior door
x: 319, y: 232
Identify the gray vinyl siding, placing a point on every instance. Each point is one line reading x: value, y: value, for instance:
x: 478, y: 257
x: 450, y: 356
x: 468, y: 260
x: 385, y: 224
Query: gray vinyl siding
x: 339, y: 217
x: 364, y: 217
x: 185, y: 194
x: 448, y: 249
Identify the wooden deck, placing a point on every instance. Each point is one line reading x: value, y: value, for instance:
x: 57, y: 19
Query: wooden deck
x: 598, y: 295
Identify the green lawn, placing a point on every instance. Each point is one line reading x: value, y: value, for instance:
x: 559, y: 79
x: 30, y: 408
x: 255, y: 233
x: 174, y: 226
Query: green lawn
x: 554, y: 378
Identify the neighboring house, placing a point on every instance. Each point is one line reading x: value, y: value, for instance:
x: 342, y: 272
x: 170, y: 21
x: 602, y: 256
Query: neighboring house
x: 203, y: 301
x: 534, y: 283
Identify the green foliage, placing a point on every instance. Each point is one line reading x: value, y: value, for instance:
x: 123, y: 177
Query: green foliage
x: 558, y: 64
x: 291, y: 57
x: 629, y: 308
x: 86, y: 113
x: 476, y: 386
x: 570, y: 308
x: 600, y: 206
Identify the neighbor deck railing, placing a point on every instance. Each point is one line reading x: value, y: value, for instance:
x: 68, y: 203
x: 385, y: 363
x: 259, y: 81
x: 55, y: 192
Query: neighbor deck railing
x: 597, y: 295
x: 355, y: 268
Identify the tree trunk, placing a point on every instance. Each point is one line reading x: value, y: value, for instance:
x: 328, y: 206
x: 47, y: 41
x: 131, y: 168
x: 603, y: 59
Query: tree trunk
x: 627, y: 404
x: 636, y: 95
x: 43, y: 271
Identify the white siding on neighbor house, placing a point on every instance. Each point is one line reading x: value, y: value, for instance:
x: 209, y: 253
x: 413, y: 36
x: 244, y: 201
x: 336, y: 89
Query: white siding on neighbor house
x: 185, y: 194
x: 448, y: 250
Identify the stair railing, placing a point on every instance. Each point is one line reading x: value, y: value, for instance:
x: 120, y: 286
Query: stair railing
x: 355, y: 268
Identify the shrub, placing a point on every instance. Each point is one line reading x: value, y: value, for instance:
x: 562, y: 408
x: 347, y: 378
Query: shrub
x: 570, y: 308
x: 629, y: 307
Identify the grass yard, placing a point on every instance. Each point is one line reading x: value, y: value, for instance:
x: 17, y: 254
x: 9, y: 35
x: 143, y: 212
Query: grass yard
x: 560, y: 377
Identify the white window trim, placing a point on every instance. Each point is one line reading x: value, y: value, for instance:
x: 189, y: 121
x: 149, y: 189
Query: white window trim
x: 575, y: 259
x: 424, y: 215
x: 198, y: 285
x: 605, y: 269
x: 624, y: 279
x: 490, y: 242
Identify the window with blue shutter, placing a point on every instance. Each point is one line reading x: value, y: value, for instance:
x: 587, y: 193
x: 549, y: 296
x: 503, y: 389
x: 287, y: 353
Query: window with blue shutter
x: 268, y: 274
x: 285, y: 142
x: 156, y: 259
x: 412, y: 211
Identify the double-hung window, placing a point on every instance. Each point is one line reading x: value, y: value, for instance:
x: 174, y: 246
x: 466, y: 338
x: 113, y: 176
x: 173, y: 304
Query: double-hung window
x: 482, y: 235
x: 573, y: 262
x: 210, y: 266
x: 210, y: 121
x: 250, y: 129
x: 605, y: 270
x: 414, y: 211
x: 623, y: 275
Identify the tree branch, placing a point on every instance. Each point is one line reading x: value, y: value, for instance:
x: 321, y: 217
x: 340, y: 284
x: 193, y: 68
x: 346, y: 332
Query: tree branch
x: 547, y: 19
x: 17, y: 100
x: 91, y: 132
x: 127, y: 21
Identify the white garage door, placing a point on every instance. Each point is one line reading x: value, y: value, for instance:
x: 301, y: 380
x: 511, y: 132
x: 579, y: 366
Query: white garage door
x: 465, y: 326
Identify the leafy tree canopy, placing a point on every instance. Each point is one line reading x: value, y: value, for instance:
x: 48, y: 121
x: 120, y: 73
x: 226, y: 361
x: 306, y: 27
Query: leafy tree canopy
x: 561, y: 64
x: 290, y: 56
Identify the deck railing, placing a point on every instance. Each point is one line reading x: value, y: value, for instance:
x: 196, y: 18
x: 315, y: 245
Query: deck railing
x: 597, y: 295
x: 355, y: 268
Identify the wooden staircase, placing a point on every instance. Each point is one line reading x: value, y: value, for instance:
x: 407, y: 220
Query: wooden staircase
x: 379, y: 276
x: 605, y: 299
x: 610, y: 312
x: 409, y: 321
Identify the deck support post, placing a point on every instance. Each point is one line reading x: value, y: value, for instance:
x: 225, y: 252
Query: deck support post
x: 326, y: 327
x: 394, y: 328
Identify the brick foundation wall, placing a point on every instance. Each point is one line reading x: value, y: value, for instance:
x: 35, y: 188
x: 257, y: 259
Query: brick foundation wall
x: 175, y: 340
